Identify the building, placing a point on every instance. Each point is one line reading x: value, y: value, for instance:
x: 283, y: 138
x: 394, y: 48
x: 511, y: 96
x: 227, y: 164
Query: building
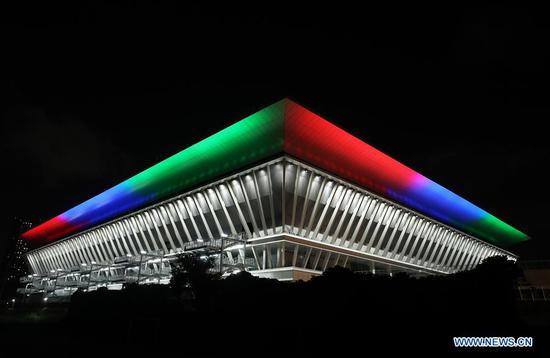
x: 13, y: 264
x: 534, y: 282
x: 282, y: 193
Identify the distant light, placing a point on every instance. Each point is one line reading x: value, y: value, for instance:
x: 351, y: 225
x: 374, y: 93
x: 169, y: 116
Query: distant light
x: 45, y: 299
x: 13, y: 300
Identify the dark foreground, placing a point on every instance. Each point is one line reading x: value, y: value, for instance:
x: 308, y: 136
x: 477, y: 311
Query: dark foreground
x: 339, y: 312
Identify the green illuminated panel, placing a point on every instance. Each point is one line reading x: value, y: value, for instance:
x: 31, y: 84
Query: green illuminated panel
x: 247, y: 141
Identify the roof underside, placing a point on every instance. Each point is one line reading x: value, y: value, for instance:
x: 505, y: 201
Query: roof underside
x: 284, y: 127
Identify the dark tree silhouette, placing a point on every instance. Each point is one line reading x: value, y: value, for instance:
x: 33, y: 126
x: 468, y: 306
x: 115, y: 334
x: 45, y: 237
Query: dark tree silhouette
x: 191, y: 277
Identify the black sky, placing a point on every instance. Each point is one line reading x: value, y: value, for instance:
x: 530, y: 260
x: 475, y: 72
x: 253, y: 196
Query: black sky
x: 94, y: 93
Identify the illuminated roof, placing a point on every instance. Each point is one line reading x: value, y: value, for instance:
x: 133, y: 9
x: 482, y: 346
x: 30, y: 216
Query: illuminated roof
x: 284, y: 127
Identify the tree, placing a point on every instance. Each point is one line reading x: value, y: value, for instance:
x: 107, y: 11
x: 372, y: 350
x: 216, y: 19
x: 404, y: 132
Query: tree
x: 499, y: 266
x: 191, y: 277
x: 13, y: 265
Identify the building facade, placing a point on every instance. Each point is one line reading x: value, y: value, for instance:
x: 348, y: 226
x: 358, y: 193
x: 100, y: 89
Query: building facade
x: 283, y: 194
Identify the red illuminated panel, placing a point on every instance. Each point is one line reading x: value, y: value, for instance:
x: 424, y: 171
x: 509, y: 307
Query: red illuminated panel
x: 56, y: 227
x: 321, y: 143
x: 310, y: 137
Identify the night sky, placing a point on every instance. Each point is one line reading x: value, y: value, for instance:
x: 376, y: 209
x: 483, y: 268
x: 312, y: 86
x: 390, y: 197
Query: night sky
x: 93, y: 94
